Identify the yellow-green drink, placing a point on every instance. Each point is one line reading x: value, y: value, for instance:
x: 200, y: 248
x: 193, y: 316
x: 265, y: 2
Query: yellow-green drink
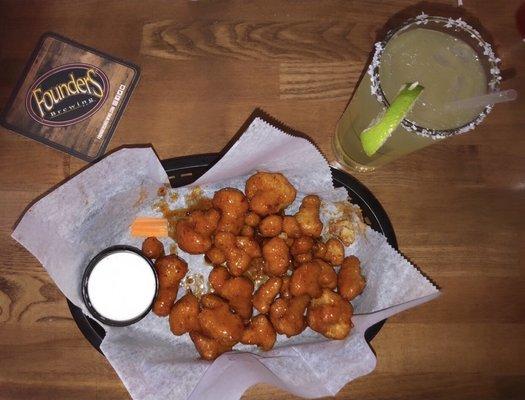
x: 449, y: 59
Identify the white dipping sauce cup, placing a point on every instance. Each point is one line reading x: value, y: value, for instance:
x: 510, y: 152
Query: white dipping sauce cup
x: 119, y: 286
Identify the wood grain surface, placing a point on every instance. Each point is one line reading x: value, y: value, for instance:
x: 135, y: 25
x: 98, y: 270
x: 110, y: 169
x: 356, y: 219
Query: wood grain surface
x: 457, y: 207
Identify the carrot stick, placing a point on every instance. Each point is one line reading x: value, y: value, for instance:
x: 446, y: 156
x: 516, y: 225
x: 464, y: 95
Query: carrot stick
x: 149, y: 226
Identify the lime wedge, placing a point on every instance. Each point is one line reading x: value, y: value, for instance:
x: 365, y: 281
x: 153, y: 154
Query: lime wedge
x: 373, y: 137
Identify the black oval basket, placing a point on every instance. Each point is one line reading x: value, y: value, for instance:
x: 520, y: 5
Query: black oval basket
x: 185, y: 170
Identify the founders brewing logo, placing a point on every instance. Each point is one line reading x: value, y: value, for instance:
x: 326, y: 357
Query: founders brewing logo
x: 67, y: 94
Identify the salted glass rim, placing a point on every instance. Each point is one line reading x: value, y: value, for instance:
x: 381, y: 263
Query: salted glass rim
x: 485, y: 50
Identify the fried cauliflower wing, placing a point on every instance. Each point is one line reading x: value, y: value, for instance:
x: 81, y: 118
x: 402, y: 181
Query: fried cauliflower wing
x: 330, y: 315
x: 218, y: 322
x: 193, y: 234
x: 327, y: 275
x: 335, y: 252
x: 152, y: 248
x: 269, y: 193
x: 184, y: 315
x: 277, y: 256
x: 308, y: 216
x: 237, y: 291
x: 264, y: 296
x: 208, y: 348
x: 305, y: 280
x: 287, y: 316
x: 260, y: 332
x: 170, y: 271
x: 237, y: 260
x: 291, y: 227
x: 233, y: 206
x: 271, y: 226
x: 350, y: 282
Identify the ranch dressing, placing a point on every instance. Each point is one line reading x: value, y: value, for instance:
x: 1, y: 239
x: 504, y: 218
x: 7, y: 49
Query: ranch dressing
x: 121, y: 286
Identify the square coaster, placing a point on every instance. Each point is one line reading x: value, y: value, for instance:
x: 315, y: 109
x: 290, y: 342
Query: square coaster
x: 70, y: 97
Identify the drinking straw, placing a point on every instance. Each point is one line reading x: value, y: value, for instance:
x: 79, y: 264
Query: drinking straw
x: 485, y: 100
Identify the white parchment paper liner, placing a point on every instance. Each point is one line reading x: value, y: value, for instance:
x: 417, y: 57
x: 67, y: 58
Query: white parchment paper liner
x: 93, y: 210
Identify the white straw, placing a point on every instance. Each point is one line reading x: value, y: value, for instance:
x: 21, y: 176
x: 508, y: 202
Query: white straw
x: 486, y: 100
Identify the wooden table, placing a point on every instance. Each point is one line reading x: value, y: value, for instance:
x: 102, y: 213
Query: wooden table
x: 457, y: 207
